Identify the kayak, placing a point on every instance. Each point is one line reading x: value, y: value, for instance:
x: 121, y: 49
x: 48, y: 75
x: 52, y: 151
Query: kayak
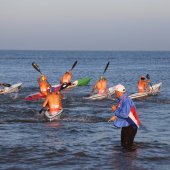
x: 34, y: 96
x: 102, y: 96
x: 12, y: 89
x: 79, y: 82
x: 55, y: 116
x: 154, y: 90
x: 38, y: 95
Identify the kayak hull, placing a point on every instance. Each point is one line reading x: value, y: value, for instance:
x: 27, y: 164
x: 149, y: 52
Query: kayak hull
x: 39, y: 96
x: 55, y: 116
x: 155, y: 89
x: 102, y: 96
x: 13, y: 89
x: 34, y: 96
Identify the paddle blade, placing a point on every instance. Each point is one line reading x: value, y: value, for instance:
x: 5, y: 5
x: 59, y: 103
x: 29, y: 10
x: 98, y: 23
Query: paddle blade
x: 35, y: 65
x: 106, y: 67
x: 6, y: 85
x: 75, y: 63
x: 42, y: 110
x: 148, y: 76
x: 64, y: 85
x: 83, y: 81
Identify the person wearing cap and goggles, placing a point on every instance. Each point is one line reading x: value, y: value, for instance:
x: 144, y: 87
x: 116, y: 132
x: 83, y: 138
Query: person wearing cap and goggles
x: 125, y: 117
x: 143, y: 85
x: 43, y: 84
x: 100, y: 86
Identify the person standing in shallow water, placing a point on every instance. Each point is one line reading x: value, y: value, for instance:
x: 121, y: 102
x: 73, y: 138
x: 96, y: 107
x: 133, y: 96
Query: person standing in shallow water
x: 125, y: 117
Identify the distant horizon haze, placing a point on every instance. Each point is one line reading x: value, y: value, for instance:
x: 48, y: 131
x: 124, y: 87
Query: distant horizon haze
x: 77, y: 25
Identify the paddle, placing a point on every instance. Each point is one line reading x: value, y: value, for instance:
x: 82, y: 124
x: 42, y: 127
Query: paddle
x: 106, y: 67
x: 5, y: 84
x: 75, y: 63
x: 64, y: 85
x: 43, y: 109
x: 148, y: 77
x: 35, y: 65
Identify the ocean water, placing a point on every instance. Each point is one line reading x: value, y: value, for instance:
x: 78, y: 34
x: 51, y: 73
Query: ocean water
x: 82, y: 138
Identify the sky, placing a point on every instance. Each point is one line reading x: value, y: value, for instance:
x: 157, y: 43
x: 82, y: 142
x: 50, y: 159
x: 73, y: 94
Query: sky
x: 85, y: 24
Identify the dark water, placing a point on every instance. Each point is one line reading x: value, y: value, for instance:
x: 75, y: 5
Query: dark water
x: 83, y: 139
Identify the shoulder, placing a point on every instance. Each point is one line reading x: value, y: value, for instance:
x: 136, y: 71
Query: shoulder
x: 48, y: 96
x: 131, y: 101
x: 127, y: 100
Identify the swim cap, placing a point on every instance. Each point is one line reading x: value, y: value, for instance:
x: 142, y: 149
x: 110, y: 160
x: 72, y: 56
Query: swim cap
x: 67, y: 72
x: 43, y: 77
x: 102, y: 78
x: 142, y: 77
x: 120, y: 88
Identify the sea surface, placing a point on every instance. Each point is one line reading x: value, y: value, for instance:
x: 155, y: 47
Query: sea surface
x: 83, y: 138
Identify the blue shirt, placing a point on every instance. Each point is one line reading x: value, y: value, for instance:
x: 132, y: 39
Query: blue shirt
x: 123, y: 110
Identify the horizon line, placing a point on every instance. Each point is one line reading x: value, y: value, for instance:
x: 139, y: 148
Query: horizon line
x: 85, y: 50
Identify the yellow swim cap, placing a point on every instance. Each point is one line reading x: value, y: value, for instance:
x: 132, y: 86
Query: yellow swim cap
x: 43, y: 77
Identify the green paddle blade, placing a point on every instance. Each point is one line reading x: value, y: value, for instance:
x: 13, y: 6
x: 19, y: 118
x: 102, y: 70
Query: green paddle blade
x: 83, y: 81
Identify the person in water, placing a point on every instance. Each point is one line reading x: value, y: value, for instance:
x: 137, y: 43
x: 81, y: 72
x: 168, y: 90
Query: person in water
x: 53, y: 101
x: 143, y: 85
x: 125, y: 117
x: 66, y: 78
x: 43, y: 84
x: 100, y: 86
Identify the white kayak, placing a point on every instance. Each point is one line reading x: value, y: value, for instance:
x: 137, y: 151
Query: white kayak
x: 102, y: 96
x: 154, y: 90
x: 55, y: 116
x: 12, y: 89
